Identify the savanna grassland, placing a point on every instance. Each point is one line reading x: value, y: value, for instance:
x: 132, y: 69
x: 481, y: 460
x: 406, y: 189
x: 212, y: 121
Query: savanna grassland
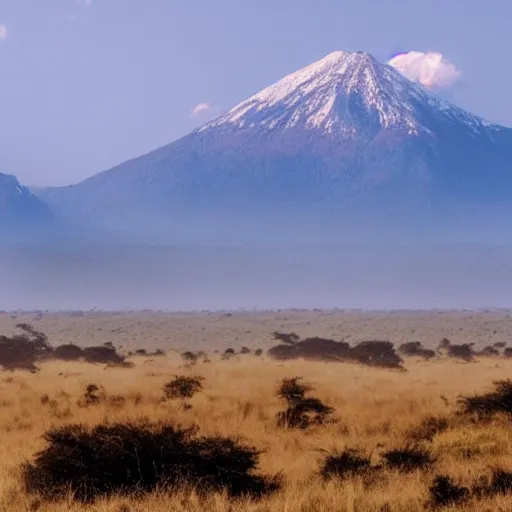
x: 372, y: 411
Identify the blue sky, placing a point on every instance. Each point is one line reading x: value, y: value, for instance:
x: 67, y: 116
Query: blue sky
x: 87, y: 84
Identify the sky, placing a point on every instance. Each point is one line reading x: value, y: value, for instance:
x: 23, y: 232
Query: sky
x: 88, y: 84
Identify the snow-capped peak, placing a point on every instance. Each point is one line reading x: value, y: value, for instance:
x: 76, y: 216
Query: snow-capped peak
x: 343, y: 93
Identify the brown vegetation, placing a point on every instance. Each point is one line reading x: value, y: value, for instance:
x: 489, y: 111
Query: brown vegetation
x: 437, y: 435
x: 369, y: 353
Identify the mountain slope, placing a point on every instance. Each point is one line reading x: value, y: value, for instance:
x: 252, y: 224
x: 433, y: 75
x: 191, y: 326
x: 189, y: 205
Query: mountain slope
x: 342, y: 143
x: 20, y: 211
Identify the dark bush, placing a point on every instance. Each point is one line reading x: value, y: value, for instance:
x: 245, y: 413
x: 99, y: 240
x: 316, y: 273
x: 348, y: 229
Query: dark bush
x: 22, y: 351
x: 411, y: 348
x: 302, y: 412
x: 443, y: 492
x: 444, y: 344
x: 428, y: 429
x: 292, y: 390
x: 245, y: 350
x: 134, y: 458
x: 408, y: 459
x: 508, y: 352
x: 499, y: 483
x: 289, y: 338
x: 345, y: 464
x: 376, y: 353
x: 464, y: 352
x: 500, y: 344
x: 371, y: 353
x: 488, y: 404
x: 228, y: 354
x: 415, y: 349
x: 93, y: 395
x: 489, y: 351
x: 183, y: 387
x: 144, y: 352
x: 258, y: 352
x: 69, y: 352
x: 102, y: 354
x: 283, y: 353
x: 189, y: 357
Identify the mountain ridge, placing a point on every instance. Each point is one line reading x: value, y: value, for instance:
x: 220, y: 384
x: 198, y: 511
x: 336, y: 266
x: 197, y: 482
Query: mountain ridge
x: 23, y: 216
x: 343, y: 137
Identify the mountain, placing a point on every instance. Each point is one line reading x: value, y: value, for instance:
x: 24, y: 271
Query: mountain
x: 21, y: 213
x: 344, y: 146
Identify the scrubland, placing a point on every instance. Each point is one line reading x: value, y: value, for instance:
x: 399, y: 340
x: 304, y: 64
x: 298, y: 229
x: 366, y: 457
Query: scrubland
x: 374, y: 411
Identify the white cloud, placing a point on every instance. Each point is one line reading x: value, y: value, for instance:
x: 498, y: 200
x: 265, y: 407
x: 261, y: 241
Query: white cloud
x: 431, y: 69
x: 3, y: 32
x: 200, y: 109
x: 87, y: 3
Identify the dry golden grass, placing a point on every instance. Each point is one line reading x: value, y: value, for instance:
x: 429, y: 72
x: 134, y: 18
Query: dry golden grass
x: 376, y: 410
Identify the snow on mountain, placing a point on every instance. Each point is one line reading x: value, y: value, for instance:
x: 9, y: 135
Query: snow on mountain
x: 317, y: 97
x: 345, y: 141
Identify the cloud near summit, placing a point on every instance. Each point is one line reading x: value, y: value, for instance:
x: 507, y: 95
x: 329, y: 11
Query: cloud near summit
x: 200, y: 108
x: 430, y: 69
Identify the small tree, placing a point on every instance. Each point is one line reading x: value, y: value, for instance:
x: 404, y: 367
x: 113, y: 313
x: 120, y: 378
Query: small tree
x: 183, y: 387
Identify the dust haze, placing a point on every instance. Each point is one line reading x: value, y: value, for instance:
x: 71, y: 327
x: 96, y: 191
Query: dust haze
x: 68, y: 277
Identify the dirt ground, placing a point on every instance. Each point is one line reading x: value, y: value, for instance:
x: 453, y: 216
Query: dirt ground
x: 219, y: 330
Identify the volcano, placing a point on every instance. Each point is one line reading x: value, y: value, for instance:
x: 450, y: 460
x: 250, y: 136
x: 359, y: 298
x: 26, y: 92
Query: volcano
x: 345, y: 147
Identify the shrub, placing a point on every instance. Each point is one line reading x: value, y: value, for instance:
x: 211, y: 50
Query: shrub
x: 508, y: 352
x: 68, y: 352
x: 376, y: 353
x: 183, y: 387
x: 228, y: 354
x: 289, y: 338
x: 245, y: 350
x: 292, y: 390
x: 444, y: 344
x: 93, y: 395
x: 258, y: 352
x: 415, y: 349
x: 102, y: 354
x: 488, y: 404
x: 189, y: 357
x: 302, y: 412
x: 428, y: 429
x: 501, y: 483
x: 408, y: 459
x: 345, y: 464
x: 443, y: 492
x: 131, y: 458
x: 22, y: 351
x: 489, y: 351
x: 371, y: 353
x: 464, y: 352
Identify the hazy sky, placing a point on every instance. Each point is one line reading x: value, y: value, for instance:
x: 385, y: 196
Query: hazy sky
x: 87, y: 84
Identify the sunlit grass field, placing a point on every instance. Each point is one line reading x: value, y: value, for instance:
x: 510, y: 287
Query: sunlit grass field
x: 375, y: 410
